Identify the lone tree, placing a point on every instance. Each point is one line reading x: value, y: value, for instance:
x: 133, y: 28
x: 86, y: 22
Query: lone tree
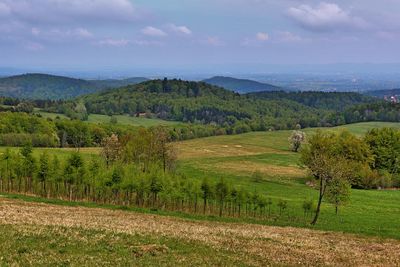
x: 333, y: 158
x: 296, y: 139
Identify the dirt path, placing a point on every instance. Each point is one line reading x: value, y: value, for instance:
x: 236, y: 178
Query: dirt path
x: 273, y: 245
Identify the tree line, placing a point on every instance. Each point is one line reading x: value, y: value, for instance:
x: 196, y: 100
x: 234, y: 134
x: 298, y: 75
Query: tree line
x: 136, y: 170
x: 18, y: 128
x: 339, y: 161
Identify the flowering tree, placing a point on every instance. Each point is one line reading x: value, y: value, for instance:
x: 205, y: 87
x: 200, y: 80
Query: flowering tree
x: 296, y: 139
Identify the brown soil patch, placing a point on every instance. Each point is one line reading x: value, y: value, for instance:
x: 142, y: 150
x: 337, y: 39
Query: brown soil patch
x: 269, y: 245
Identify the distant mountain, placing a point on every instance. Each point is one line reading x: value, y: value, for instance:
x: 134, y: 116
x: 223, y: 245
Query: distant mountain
x: 44, y: 86
x: 241, y: 85
x: 383, y: 93
x: 115, y: 83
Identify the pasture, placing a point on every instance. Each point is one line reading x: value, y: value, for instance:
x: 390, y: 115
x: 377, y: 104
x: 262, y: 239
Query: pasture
x: 235, y: 158
x: 43, y: 234
x: 121, y: 119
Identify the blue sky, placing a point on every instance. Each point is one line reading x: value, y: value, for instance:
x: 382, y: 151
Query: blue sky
x: 196, y: 34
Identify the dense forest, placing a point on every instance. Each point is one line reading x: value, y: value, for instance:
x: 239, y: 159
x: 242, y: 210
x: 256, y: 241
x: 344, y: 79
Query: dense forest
x: 335, y: 101
x: 201, y: 103
x: 18, y: 128
x: 382, y: 111
x: 43, y: 86
x: 208, y: 110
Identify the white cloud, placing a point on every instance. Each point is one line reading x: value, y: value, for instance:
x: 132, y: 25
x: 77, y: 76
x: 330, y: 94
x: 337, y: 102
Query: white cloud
x: 325, y: 17
x: 61, y: 11
x: 213, y: 41
x: 35, y: 31
x: 81, y: 32
x: 4, y: 10
x: 56, y: 34
x: 262, y: 36
x: 154, y: 32
x: 386, y: 35
x: 125, y: 42
x: 113, y: 42
x: 179, y: 29
x: 285, y: 36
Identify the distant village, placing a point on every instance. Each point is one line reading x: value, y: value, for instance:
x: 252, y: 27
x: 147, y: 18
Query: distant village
x: 393, y: 98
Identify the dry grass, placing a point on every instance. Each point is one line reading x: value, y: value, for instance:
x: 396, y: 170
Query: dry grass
x: 201, y: 149
x: 248, y: 167
x: 255, y: 244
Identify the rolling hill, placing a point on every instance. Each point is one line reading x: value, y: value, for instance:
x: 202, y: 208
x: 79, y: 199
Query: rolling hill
x: 241, y: 85
x: 199, y: 102
x: 202, y: 103
x: 44, y: 86
x: 337, y: 101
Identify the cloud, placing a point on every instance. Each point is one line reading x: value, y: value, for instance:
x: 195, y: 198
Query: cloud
x: 289, y: 37
x: 154, y: 32
x: 81, y: 32
x: 33, y: 46
x: 125, y: 42
x: 35, y: 31
x: 179, y: 29
x: 4, y: 10
x: 325, y: 17
x: 73, y: 11
x: 113, y: 42
x: 56, y: 34
x: 213, y: 41
x: 262, y: 36
x: 256, y: 41
x: 386, y: 35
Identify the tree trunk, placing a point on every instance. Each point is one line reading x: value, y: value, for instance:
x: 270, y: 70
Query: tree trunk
x: 321, y: 195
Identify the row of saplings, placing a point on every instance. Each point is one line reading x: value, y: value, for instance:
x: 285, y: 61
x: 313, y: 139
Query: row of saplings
x: 139, y: 170
x: 135, y: 170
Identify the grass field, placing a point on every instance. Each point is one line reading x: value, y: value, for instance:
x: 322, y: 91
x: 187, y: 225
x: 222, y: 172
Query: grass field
x: 42, y: 235
x: 235, y: 158
x: 121, y: 119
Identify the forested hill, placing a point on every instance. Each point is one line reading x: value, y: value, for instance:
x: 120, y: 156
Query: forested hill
x: 241, y: 85
x: 335, y: 101
x: 203, y: 103
x: 44, y: 86
x: 115, y: 83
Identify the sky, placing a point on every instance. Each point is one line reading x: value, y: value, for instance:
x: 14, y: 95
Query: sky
x: 196, y: 34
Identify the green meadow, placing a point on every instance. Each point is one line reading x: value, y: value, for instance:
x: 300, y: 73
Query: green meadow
x: 121, y: 119
x: 235, y: 158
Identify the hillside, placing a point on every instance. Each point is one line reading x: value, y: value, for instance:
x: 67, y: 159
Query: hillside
x: 241, y: 85
x: 337, y: 101
x: 203, y: 103
x: 115, y: 83
x: 44, y: 86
